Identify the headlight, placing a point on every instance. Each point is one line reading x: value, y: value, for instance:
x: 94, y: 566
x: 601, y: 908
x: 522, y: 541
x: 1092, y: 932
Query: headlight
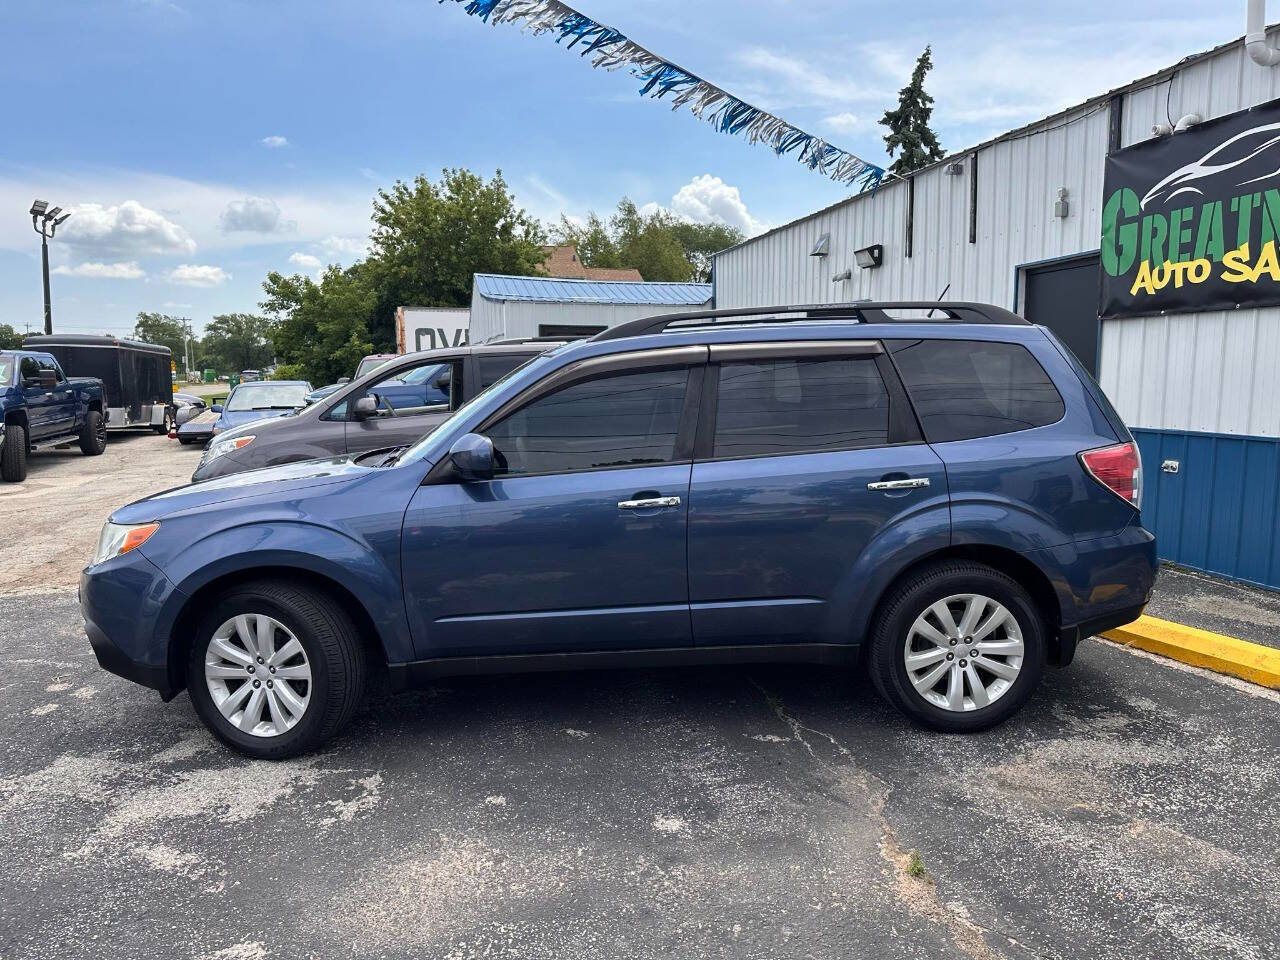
x: 118, y: 538
x: 219, y: 447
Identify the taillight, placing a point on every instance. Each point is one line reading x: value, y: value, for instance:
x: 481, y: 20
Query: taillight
x: 1117, y: 468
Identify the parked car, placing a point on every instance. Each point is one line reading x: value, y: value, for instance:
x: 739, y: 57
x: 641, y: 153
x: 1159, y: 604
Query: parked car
x: 137, y: 381
x: 197, y: 428
x: 327, y: 391
x: 250, y: 376
x: 951, y: 503
x: 259, y: 400
x: 395, y: 405
x: 41, y: 406
x: 186, y: 406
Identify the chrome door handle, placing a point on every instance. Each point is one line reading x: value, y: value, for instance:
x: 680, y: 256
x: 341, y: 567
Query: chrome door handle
x: 650, y: 504
x: 908, y: 484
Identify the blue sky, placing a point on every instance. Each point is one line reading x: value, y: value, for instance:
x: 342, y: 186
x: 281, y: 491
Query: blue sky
x: 202, y: 144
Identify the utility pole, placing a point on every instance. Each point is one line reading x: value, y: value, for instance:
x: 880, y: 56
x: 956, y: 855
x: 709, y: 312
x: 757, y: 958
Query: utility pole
x: 46, y: 222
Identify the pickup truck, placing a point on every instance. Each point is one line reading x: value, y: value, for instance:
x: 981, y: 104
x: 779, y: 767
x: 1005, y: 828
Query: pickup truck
x: 40, y: 406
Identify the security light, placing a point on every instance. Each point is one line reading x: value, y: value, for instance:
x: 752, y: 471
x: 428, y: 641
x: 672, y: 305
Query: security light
x: 869, y: 257
x: 38, y: 208
x: 52, y: 214
x: 62, y: 219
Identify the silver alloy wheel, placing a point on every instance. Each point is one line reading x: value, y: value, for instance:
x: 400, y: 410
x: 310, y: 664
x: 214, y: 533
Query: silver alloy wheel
x: 258, y: 674
x: 964, y: 652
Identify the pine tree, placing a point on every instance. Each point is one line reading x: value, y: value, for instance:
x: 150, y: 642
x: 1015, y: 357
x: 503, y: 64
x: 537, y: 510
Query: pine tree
x: 909, y: 132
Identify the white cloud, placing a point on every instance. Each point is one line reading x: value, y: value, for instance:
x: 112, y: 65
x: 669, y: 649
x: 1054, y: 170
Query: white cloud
x: 255, y: 215
x: 845, y: 122
x: 305, y: 260
x: 708, y: 199
x: 801, y: 78
x: 346, y: 246
x: 128, y: 228
x: 103, y: 271
x: 275, y: 142
x: 198, y: 275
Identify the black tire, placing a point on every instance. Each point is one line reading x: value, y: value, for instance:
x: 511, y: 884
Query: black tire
x: 162, y: 428
x: 909, y: 599
x: 93, y: 435
x: 333, y: 649
x: 13, y: 456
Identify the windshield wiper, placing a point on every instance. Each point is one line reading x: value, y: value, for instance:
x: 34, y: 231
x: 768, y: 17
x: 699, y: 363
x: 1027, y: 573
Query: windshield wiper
x: 382, y: 458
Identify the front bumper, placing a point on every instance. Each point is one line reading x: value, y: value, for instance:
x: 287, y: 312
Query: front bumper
x: 122, y: 601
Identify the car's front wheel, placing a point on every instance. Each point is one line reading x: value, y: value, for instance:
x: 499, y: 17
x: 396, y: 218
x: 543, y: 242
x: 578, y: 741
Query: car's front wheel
x: 958, y: 647
x: 276, y: 669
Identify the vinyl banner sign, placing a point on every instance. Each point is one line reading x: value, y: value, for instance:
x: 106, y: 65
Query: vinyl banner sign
x: 1192, y: 221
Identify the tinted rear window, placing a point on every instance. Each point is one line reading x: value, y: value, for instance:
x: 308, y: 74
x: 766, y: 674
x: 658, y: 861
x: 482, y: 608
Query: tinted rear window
x: 792, y: 406
x: 971, y: 388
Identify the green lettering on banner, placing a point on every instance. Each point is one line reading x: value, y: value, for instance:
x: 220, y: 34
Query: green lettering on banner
x: 1242, y: 206
x: 1209, y: 242
x: 1119, y: 240
x: 1154, y: 230
x: 1180, y: 233
x: 1270, y: 215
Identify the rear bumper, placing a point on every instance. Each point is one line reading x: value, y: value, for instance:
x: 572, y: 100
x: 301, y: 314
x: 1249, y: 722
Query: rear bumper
x: 1101, y: 584
x: 121, y: 602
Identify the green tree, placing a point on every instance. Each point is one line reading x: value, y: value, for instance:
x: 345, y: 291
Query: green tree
x: 290, y: 371
x: 322, y: 328
x: 10, y: 339
x: 430, y: 238
x: 239, y: 341
x: 168, y: 332
x: 909, y: 132
x: 660, y: 245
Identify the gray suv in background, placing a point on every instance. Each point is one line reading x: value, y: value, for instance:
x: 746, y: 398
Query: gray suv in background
x: 396, y: 404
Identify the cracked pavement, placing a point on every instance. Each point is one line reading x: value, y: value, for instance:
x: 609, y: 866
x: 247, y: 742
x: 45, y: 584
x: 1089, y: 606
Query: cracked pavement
x: 1128, y: 812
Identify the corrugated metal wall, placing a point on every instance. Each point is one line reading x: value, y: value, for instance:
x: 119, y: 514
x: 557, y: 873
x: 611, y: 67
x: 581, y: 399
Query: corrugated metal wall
x: 520, y: 318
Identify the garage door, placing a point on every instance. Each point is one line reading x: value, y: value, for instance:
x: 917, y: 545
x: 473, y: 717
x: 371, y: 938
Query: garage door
x: 1063, y: 296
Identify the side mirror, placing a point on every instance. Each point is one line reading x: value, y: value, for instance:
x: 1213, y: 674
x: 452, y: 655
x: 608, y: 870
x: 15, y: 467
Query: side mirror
x: 48, y: 379
x: 441, y: 382
x: 472, y: 458
x: 344, y: 379
x: 216, y: 408
x: 364, y: 408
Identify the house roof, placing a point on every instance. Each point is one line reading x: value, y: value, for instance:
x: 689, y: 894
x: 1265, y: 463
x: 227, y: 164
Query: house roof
x: 556, y: 290
x: 562, y: 261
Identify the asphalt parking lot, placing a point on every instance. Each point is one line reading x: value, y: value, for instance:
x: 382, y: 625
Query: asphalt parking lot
x: 1128, y: 812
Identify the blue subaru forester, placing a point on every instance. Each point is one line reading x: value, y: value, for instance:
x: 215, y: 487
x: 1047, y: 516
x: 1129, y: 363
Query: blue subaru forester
x: 944, y: 496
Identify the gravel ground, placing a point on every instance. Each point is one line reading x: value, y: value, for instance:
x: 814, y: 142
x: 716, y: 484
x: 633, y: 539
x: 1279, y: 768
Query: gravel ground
x: 56, y: 515
x: 1128, y: 812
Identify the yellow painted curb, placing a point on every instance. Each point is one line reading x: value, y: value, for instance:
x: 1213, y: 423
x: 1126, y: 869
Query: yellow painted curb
x: 1200, y: 648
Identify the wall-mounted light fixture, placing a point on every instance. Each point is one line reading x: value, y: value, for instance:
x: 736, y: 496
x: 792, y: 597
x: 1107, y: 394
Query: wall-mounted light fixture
x: 953, y: 169
x: 868, y: 258
x: 1060, y: 206
x: 822, y: 247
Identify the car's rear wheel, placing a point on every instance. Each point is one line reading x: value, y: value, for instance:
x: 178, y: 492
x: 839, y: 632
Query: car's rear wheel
x: 958, y: 647
x: 13, y: 454
x: 163, y: 427
x: 93, y: 435
x: 276, y: 669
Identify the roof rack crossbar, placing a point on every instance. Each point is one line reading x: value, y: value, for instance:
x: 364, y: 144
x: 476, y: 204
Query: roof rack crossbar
x: 864, y: 311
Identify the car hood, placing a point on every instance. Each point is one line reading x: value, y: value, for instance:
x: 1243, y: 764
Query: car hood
x: 272, y: 481
x: 238, y: 418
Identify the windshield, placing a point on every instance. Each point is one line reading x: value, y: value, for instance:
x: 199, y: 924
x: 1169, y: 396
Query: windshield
x: 416, y: 451
x: 370, y: 363
x: 267, y: 396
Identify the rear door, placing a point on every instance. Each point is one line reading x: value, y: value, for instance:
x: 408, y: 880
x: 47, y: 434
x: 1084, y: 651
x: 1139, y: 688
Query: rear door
x: 805, y: 453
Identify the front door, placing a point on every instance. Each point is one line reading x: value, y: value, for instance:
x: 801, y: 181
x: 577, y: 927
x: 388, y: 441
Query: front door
x: 578, y: 542
x: 40, y: 403
x: 409, y: 404
x: 810, y: 457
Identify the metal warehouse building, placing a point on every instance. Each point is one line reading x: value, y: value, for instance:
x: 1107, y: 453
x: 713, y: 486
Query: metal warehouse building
x: 503, y: 307
x: 1018, y: 221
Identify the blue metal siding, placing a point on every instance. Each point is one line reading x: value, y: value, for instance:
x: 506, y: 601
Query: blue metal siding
x: 1221, y: 511
x: 551, y: 289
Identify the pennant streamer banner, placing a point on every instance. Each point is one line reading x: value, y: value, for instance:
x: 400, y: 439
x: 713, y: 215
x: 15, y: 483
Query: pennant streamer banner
x: 610, y: 49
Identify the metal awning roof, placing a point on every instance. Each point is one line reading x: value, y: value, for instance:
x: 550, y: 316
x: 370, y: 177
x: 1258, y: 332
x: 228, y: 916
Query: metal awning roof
x: 554, y: 290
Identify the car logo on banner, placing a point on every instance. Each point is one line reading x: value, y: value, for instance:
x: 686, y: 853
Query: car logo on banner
x: 1192, y: 221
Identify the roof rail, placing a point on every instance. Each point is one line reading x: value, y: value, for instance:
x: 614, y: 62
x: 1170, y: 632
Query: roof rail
x: 863, y: 311
x: 508, y: 341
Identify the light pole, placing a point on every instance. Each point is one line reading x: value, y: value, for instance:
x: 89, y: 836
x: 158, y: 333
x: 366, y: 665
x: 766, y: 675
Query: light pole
x: 46, y: 222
